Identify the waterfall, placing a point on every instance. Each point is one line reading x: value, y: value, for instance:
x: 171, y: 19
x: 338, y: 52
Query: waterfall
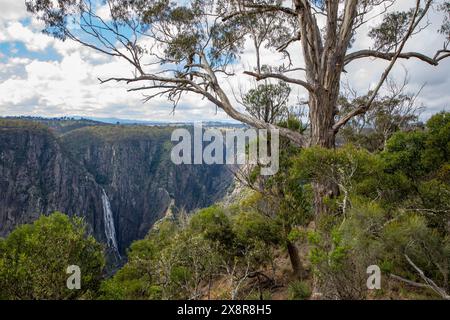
x: 110, y: 231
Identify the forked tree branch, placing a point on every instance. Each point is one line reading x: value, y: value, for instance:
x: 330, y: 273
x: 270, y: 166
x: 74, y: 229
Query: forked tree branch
x: 262, y: 76
x: 259, y: 9
x: 440, y: 55
x: 429, y: 283
x: 415, y: 20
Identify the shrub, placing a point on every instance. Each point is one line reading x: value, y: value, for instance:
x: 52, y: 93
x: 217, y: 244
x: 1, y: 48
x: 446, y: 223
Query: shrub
x: 299, y: 290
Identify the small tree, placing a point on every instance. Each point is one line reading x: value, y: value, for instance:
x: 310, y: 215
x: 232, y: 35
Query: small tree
x: 396, y: 110
x: 268, y: 102
x: 34, y: 259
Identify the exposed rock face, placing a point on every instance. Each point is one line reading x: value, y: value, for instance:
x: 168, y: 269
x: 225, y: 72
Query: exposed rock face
x: 41, y: 173
x: 36, y: 178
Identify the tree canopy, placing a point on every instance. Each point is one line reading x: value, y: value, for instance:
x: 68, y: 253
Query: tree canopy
x: 34, y: 259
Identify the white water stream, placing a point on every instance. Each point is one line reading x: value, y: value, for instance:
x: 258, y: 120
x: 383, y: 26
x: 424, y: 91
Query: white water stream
x: 110, y: 230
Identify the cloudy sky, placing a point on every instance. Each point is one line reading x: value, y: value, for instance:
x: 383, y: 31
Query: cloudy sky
x: 43, y: 76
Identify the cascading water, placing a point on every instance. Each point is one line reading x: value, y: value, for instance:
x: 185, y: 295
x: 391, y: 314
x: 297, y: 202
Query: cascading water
x: 110, y: 231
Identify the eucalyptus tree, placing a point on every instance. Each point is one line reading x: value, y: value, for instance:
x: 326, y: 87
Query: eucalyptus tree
x: 268, y: 102
x: 394, y: 110
x: 176, y: 47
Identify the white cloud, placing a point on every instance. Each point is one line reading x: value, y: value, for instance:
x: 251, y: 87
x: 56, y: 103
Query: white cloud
x: 103, y: 12
x: 70, y: 87
x: 33, y: 41
x: 12, y: 10
x: 69, y: 84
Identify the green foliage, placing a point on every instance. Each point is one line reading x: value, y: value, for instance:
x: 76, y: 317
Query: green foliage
x: 419, y: 153
x: 215, y: 226
x: 391, y: 31
x: 353, y: 170
x: 179, y: 259
x: 293, y: 123
x: 445, y: 28
x: 34, y: 259
x: 134, y: 280
x: 404, y: 152
x: 299, y: 290
x: 262, y: 295
x: 58, y: 126
x: 437, y: 149
x: 268, y: 102
x: 169, y: 263
x: 285, y: 197
x: 392, y: 205
x: 388, y: 114
x: 325, y: 165
x: 14, y: 123
x: 252, y: 226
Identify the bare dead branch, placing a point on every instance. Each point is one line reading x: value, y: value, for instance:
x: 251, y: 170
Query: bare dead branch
x: 429, y: 282
x: 390, y: 55
x: 262, y: 76
x: 415, y: 20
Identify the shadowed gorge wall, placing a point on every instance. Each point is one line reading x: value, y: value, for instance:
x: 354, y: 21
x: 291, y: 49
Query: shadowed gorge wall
x: 41, y: 173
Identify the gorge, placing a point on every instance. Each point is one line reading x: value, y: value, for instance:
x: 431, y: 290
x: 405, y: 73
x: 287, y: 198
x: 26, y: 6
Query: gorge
x: 120, y: 179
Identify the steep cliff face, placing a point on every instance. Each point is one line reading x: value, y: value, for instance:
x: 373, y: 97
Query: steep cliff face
x: 37, y: 178
x: 131, y: 165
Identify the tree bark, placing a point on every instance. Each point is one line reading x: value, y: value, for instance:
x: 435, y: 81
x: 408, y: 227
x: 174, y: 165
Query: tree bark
x: 294, y: 256
x: 322, y: 113
x: 322, y: 106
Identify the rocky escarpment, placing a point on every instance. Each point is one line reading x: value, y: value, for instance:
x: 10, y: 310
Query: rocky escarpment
x: 36, y: 177
x: 131, y: 166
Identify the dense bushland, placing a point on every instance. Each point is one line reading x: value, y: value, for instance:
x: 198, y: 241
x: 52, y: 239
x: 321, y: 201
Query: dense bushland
x: 392, y: 210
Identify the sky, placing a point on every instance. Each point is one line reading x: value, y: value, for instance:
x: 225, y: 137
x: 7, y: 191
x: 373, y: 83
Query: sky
x: 43, y: 76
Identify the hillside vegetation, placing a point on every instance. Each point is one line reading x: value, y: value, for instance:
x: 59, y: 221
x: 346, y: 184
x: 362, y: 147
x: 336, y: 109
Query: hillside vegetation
x: 393, y: 211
